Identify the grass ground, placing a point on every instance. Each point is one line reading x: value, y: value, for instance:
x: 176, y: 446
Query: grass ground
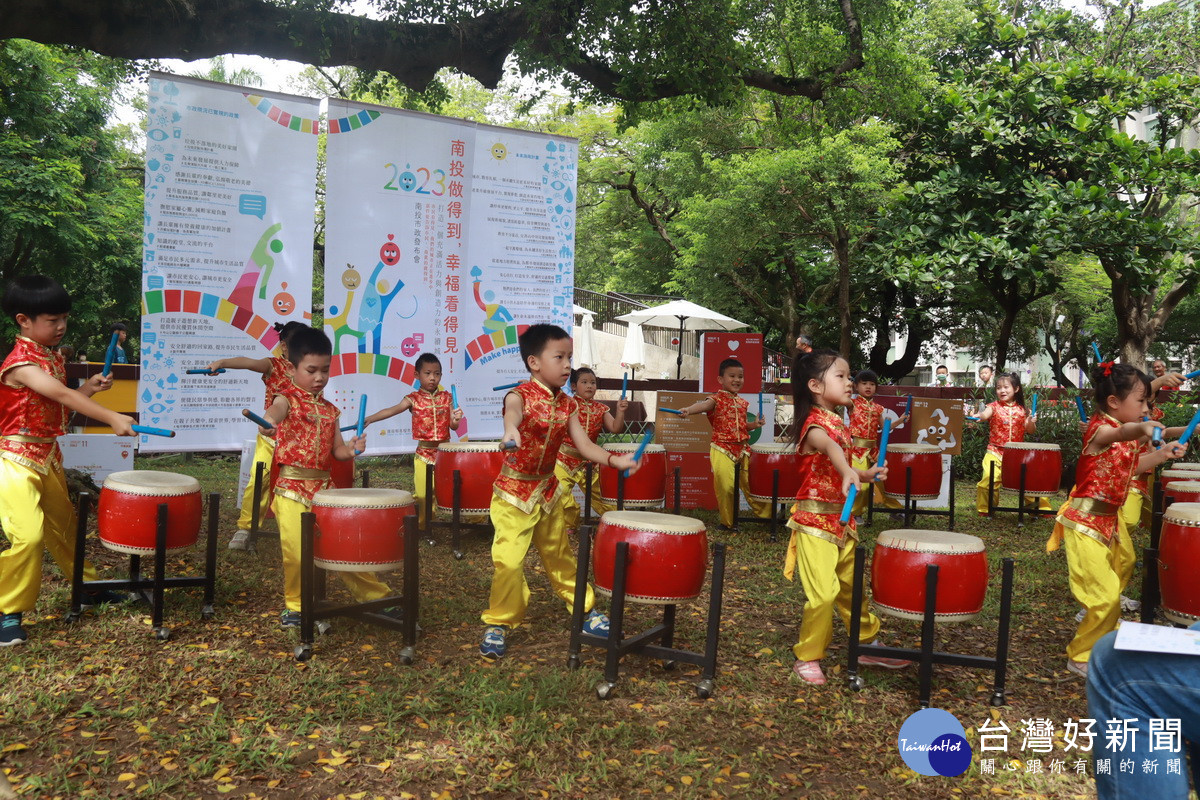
x: 101, y: 709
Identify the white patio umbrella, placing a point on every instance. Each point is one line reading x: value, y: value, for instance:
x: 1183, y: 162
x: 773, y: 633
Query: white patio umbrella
x: 685, y: 315
x: 579, y: 311
x: 634, y: 354
x: 585, y: 348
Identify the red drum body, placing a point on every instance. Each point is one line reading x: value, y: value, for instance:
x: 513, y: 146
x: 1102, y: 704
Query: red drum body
x: 646, y: 488
x: 342, y: 474
x: 926, y: 463
x: 478, y: 464
x: 1043, y: 468
x: 359, y: 530
x: 667, y: 556
x: 129, y: 504
x: 898, y: 574
x: 1169, y: 476
x: 765, y: 459
x: 1183, y: 492
x: 1178, y: 562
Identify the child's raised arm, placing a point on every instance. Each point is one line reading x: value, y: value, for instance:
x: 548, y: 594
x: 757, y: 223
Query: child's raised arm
x: 260, y: 365
x: 616, y: 424
x: 1129, y: 432
x: 514, y: 412
x: 40, y: 381
x: 818, y: 441
x: 399, y: 408
x: 594, y: 452
x: 699, y: 407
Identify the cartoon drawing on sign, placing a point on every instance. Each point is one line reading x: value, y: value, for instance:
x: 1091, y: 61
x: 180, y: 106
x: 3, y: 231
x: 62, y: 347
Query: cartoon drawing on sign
x: 337, y: 321
x: 259, y: 265
x: 377, y: 298
x: 498, y: 317
x: 936, y: 433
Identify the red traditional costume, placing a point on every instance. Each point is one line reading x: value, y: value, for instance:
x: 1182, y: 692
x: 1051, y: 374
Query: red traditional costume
x: 1007, y: 424
x: 571, y: 467
x: 275, y: 382
x: 430, y: 426
x: 730, y: 447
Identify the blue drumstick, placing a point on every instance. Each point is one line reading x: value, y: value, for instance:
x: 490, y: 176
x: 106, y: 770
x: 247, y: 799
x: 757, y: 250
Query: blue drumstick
x: 908, y: 407
x: 637, y: 456
x: 624, y: 383
x: 453, y: 396
x: 509, y: 445
x: 506, y: 387
x: 760, y: 408
x: 1096, y: 350
x: 849, y: 504
x: 362, y: 420
x: 1156, y: 437
x: 205, y: 371
x: 153, y: 431
x: 1191, y: 376
x: 1082, y: 411
x: 671, y: 411
x: 883, y: 443
x: 110, y: 354
x: 1033, y: 410
x: 1191, y: 426
x: 255, y: 418
x: 972, y: 419
x: 345, y: 428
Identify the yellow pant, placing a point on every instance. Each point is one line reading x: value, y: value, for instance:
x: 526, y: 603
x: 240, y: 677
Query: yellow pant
x: 827, y: 573
x: 881, y: 500
x: 723, y: 468
x: 264, y: 453
x: 515, y: 531
x: 1136, y: 510
x: 1097, y: 576
x: 364, y: 586
x: 37, y: 515
x: 420, y: 476
x: 981, y: 488
x: 570, y: 506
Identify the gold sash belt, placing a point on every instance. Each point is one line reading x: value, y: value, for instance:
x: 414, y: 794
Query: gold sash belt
x: 302, y: 473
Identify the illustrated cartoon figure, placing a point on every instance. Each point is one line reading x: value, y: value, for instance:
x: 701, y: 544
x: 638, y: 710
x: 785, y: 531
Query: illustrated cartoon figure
x: 498, y: 317
x: 260, y: 264
x: 499, y: 151
x: 337, y: 321
x: 375, y: 304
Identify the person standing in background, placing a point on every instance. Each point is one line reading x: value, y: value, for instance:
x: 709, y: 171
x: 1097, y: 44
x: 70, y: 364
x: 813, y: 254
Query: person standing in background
x: 123, y: 334
x: 985, y: 376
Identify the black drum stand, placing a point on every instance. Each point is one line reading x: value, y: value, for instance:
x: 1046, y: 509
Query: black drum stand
x: 910, y: 510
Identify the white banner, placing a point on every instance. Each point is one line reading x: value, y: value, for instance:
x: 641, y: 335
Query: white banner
x: 230, y: 202
x: 97, y: 454
x: 442, y: 236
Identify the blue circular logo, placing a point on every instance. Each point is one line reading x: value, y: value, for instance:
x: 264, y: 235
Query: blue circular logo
x: 933, y: 742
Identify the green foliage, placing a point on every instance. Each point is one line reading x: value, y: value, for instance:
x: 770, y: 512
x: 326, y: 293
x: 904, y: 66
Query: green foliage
x: 70, y: 190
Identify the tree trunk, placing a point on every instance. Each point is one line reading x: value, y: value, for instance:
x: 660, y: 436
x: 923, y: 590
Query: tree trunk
x: 918, y: 334
x: 1139, y: 323
x: 1012, y: 307
x: 841, y: 249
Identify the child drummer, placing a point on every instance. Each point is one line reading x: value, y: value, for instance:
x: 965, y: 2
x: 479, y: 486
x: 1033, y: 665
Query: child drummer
x: 866, y: 426
x: 307, y: 440
x: 594, y: 417
x: 35, y: 511
x: 276, y: 374
x: 527, y: 497
x: 433, y: 417
x: 730, y: 441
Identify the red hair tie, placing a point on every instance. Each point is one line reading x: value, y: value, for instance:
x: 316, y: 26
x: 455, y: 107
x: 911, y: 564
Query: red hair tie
x: 1106, y: 368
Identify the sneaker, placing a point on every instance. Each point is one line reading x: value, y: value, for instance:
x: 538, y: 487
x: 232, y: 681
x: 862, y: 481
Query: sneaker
x: 886, y: 663
x: 596, y: 623
x: 1129, y: 604
x: 102, y: 597
x: 1080, y: 668
x: 397, y: 613
x: 289, y: 619
x: 1080, y: 615
x: 240, y: 541
x: 492, y: 647
x: 809, y: 672
x: 11, y: 632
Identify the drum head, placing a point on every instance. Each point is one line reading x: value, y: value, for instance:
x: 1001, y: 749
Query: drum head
x: 653, y: 522
x: 1031, y: 446
x: 1191, y: 487
x: 774, y: 448
x: 362, y: 498
x: 1183, y: 514
x: 1178, y: 474
x: 631, y: 447
x: 151, y: 483
x: 918, y: 541
x: 1194, y: 466
x: 470, y: 447
x: 913, y: 448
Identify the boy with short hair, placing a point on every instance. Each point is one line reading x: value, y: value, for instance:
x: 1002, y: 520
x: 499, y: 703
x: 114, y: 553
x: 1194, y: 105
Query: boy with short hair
x: 433, y: 416
x: 307, y: 440
x: 730, y: 441
x: 527, y: 497
x: 866, y: 427
x: 35, y: 404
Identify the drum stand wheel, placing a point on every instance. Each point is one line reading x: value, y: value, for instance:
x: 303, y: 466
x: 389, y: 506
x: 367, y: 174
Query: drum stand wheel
x: 150, y: 590
x: 616, y: 645
x: 316, y: 611
x: 926, y: 656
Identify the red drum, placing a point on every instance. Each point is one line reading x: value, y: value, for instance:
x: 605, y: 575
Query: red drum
x: 1043, y: 468
x: 129, y: 504
x: 1183, y: 492
x: 764, y: 460
x: 1168, y: 476
x: 342, y: 473
x: 926, y: 463
x: 667, y: 556
x: 359, y: 530
x: 898, y: 574
x: 646, y: 488
x: 479, y: 465
x: 1178, y: 561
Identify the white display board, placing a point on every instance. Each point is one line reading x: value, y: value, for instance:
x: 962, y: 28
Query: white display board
x: 228, y: 232
x: 442, y: 236
x: 97, y: 454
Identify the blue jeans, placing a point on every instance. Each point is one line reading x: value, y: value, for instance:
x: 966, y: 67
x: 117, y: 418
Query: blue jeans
x: 1129, y: 685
